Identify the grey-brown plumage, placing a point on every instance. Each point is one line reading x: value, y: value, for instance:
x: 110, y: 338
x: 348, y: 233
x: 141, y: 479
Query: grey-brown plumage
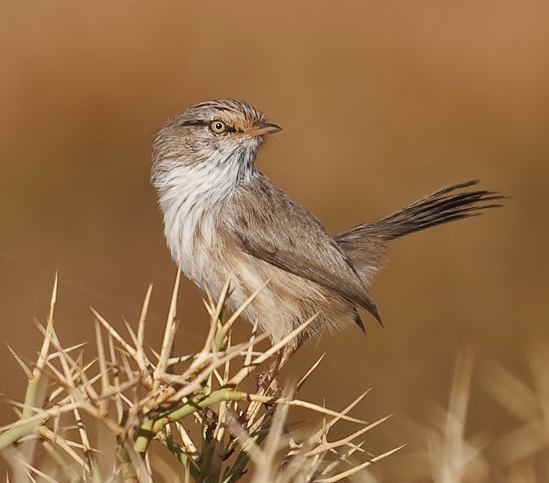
x: 223, y: 218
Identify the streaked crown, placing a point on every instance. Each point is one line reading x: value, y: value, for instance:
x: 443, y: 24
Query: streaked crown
x: 212, y: 129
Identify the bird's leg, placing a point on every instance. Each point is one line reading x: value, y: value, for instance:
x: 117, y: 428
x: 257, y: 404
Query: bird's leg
x: 269, y: 377
x: 264, y: 380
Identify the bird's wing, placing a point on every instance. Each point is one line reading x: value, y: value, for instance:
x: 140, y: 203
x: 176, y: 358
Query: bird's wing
x: 269, y: 225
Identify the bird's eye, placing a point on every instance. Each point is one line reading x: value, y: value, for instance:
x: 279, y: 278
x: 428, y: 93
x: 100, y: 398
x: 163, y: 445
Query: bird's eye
x: 218, y: 127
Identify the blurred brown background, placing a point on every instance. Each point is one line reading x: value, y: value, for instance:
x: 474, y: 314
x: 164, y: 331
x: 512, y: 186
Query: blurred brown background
x: 381, y: 102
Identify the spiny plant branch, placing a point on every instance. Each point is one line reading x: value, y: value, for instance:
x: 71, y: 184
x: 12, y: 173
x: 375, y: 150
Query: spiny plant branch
x: 139, y: 395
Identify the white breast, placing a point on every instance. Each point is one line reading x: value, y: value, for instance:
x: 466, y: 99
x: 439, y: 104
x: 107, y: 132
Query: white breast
x: 191, y: 197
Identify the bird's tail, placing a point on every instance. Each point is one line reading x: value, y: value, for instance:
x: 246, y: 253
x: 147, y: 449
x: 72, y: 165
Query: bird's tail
x: 366, y: 244
x: 442, y: 206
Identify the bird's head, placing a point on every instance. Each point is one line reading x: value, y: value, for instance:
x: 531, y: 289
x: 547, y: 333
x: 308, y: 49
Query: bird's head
x: 213, y: 132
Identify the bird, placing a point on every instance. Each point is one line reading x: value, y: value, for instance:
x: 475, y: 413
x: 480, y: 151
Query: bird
x: 224, y: 219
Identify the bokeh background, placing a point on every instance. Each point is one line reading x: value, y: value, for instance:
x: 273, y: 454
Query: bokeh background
x: 381, y: 102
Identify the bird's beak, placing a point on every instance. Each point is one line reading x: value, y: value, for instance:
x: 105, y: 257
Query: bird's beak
x: 262, y: 129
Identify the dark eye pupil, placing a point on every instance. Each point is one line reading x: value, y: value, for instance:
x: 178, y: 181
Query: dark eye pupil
x: 217, y: 127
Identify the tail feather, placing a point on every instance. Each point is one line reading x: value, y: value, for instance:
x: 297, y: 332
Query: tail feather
x: 366, y: 244
x: 443, y: 206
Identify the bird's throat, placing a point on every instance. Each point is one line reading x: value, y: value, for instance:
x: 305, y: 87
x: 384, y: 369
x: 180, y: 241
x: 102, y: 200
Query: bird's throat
x: 191, y: 198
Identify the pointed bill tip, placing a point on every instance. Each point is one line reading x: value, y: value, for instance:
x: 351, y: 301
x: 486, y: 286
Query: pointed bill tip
x: 263, y: 128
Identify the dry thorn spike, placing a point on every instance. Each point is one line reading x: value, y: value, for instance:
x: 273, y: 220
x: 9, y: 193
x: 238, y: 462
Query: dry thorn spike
x: 102, y: 361
x: 86, y: 446
x: 118, y: 401
x: 361, y: 467
x: 303, y: 404
x: 350, y: 438
x: 461, y: 385
x: 33, y: 470
x: 59, y: 376
x: 215, y: 314
x: 250, y: 350
x: 113, y: 333
x: 70, y: 369
x: 39, y: 415
x: 54, y: 438
x: 140, y: 356
x: 276, y: 432
x: 131, y: 333
x: 279, y: 345
x: 49, y: 332
x: 209, y: 302
x: 219, y: 430
x: 206, y: 361
x: 331, y: 468
x: 308, y: 374
x: 196, y: 383
x: 243, y: 373
x: 187, y: 442
x: 227, y: 326
x: 247, y: 442
x: 57, y: 354
x: 19, y: 361
x: 348, y: 408
x: 119, y: 389
x: 169, y: 334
